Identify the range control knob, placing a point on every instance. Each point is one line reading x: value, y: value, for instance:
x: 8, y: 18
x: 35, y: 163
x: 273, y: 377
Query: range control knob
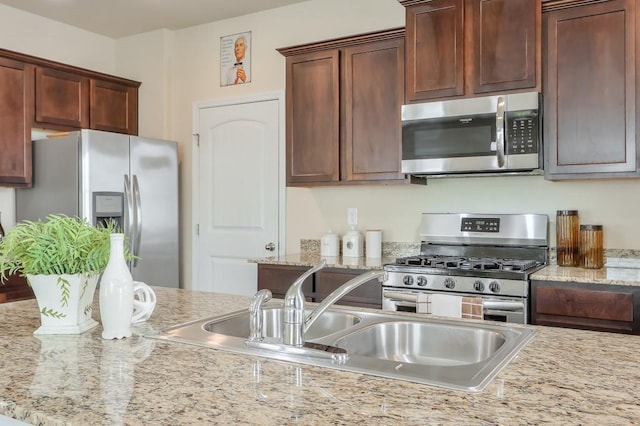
x: 449, y: 283
x: 478, y: 286
x: 407, y: 280
x: 422, y: 281
x: 494, y: 286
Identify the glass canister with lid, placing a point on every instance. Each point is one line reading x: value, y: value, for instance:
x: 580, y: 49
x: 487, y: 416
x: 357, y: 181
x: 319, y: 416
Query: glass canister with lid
x: 567, y: 238
x: 591, y: 246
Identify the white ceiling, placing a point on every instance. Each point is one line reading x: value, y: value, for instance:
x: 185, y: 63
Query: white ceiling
x: 120, y: 18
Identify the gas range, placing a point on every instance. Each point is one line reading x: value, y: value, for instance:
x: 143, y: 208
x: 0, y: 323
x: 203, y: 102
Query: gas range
x: 488, y: 256
x: 487, y: 275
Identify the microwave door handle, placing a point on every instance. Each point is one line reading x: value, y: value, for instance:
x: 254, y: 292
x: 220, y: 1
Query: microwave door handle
x: 500, y: 131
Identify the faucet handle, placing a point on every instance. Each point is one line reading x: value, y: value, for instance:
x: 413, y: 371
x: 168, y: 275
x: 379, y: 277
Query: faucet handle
x: 260, y: 298
x: 255, y: 314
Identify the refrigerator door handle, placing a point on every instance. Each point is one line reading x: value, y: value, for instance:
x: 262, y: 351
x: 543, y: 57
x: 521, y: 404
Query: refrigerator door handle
x: 138, y: 214
x: 128, y: 216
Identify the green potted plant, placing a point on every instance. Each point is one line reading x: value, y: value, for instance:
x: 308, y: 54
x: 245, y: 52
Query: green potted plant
x: 62, y: 259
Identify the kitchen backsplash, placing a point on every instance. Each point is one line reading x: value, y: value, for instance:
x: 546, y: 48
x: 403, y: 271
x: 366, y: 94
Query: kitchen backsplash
x: 614, y: 257
x: 389, y: 249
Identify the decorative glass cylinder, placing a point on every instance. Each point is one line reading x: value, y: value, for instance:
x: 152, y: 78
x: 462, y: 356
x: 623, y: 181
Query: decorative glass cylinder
x: 591, y: 246
x: 116, y: 293
x: 567, y: 238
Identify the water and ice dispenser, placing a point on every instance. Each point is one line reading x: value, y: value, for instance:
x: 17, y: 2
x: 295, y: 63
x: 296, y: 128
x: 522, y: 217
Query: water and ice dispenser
x: 108, y: 206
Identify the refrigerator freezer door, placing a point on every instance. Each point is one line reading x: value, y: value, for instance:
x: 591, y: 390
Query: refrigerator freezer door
x: 55, y: 180
x: 103, y: 167
x: 154, y: 177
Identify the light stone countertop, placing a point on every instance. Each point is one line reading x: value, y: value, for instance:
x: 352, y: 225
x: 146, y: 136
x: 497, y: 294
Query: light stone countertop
x: 628, y: 275
x: 311, y: 259
x: 617, y: 271
x: 562, y: 376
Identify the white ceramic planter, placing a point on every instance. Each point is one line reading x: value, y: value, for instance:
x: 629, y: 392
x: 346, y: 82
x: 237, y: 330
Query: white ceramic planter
x: 65, y: 302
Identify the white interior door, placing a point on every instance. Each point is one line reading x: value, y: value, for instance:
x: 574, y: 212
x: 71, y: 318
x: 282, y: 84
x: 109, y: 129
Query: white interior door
x: 238, y: 196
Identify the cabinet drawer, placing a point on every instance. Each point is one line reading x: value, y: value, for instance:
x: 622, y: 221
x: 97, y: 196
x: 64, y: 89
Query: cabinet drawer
x: 604, y: 305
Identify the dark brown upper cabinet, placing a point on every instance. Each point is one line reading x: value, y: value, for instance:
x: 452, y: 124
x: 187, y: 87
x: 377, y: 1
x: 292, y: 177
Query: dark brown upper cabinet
x: 16, y: 116
x: 343, y: 100
x: 590, y: 89
x: 113, y: 106
x: 467, y: 48
x: 38, y: 93
x: 62, y: 99
x: 313, y: 117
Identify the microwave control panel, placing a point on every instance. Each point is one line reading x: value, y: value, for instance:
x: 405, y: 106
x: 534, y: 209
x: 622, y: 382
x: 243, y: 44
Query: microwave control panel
x: 522, y: 132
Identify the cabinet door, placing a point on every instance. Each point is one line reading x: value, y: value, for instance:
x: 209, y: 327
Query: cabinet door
x: 114, y: 107
x: 590, y: 91
x: 278, y: 279
x: 368, y: 295
x: 373, y: 83
x: 313, y: 117
x: 505, y: 42
x: 593, y: 307
x: 16, y: 118
x: 15, y: 288
x: 62, y: 99
x: 435, y: 55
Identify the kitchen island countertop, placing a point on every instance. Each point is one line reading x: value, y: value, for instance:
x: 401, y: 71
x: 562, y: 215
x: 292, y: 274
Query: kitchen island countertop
x: 562, y: 376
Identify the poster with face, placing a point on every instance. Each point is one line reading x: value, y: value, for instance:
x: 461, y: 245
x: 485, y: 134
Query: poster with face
x: 235, y: 59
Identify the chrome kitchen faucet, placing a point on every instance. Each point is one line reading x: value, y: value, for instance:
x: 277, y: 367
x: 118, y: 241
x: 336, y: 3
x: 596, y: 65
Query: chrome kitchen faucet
x: 295, y: 324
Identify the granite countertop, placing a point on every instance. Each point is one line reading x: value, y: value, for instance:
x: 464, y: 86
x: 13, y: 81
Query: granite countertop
x: 627, y: 275
x: 312, y: 259
x: 617, y: 271
x: 562, y: 376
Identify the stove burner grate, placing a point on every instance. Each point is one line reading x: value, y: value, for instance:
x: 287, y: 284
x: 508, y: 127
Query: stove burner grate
x: 468, y: 263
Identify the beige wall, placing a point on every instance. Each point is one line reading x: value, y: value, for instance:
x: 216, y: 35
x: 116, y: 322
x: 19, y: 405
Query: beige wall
x: 195, y: 76
x: 181, y: 68
x: 395, y: 209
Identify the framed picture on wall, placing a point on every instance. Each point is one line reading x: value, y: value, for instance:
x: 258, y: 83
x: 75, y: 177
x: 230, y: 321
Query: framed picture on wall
x: 235, y: 59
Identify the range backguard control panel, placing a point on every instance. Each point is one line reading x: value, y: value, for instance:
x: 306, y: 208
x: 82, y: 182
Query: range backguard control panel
x: 479, y: 224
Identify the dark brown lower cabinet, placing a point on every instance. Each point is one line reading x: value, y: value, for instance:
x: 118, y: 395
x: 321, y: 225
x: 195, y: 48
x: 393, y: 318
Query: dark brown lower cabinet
x: 598, y: 307
x: 278, y: 279
x: 368, y: 295
x: 15, y: 288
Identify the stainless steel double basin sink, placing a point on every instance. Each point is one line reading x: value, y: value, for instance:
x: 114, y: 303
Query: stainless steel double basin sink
x: 454, y: 354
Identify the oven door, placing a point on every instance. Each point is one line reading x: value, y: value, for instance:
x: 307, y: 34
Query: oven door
x: 503, y: 309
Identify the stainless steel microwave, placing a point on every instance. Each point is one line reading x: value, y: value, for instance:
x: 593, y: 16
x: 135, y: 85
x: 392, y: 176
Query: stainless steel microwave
x: 490, y: 134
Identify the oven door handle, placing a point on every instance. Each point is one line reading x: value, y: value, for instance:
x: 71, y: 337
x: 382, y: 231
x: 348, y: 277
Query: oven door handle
x: 402, y: 296
x: 503, y: 305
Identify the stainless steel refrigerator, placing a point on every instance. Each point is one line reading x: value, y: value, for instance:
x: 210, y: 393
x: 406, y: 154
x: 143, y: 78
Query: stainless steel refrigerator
x: 104, y: 176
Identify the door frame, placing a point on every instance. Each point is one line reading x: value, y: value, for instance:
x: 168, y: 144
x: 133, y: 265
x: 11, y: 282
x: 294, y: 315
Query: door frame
x: 195, y: 165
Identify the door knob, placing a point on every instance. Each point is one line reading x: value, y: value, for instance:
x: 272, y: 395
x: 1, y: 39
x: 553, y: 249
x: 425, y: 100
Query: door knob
x: 270, y: 246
